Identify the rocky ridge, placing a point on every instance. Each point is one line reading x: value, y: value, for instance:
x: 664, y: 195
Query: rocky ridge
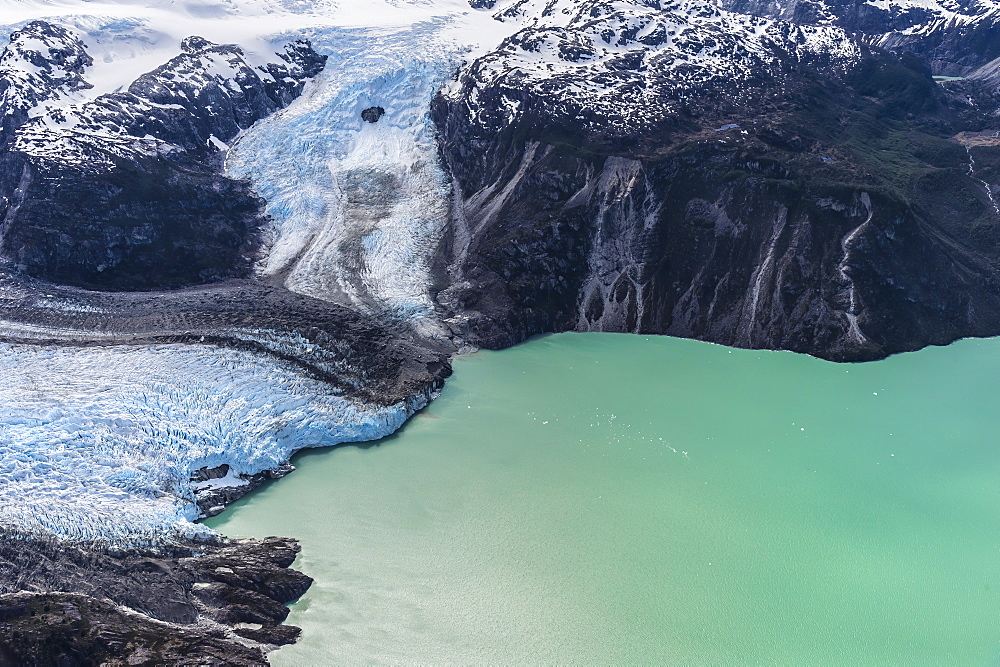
x: 213, y: 603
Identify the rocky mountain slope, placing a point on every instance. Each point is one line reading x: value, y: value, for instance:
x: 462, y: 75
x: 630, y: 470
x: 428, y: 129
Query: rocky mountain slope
x: 751, y: 181
x: 112, y: 193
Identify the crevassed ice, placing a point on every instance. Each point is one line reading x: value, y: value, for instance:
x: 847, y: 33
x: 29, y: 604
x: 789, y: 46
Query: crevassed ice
x: 357, y: 207
x: 98, y: 444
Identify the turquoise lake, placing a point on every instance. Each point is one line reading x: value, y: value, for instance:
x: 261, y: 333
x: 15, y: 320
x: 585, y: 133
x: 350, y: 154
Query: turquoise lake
x: 600, y: 498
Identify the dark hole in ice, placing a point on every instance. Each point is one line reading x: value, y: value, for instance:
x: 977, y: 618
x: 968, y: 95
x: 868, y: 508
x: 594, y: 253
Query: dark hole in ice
x: 372, y: 114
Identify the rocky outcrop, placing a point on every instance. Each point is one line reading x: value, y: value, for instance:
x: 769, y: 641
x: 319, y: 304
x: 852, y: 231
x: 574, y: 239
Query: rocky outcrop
x: 372, y: 114
x: 216, y: 488
x: 72, y: 630
x: 218, y: 603
x: 125, y: 192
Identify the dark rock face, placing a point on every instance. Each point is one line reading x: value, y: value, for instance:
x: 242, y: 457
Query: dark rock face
x: 69, y: 605
x: 372, y: 114
x: 125, y: 192
x: 151, y: 222
x: 832, y: 215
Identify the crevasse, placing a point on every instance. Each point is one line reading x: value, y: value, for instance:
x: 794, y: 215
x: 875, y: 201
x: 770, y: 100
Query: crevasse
x: 98, y: 444
x: 357, y: 206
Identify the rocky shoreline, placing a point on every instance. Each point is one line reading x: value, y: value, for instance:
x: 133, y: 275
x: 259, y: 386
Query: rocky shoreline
x: 215, y: 603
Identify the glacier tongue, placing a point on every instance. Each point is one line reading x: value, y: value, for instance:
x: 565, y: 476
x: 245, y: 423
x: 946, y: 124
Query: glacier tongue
x: 98, y: 444
x: 357, y: 206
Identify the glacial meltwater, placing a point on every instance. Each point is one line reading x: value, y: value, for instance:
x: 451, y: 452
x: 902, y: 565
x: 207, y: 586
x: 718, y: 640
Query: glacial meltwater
x: 598, y: 498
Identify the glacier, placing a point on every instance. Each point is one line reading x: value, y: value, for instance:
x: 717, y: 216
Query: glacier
x: 357, y: 206
x: 98, y: 443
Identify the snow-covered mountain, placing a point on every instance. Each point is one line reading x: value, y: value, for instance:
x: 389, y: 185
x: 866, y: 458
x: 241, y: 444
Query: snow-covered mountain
x: 163, y: 145
x: 43, y: 62
x: 635, y: 64
x: 230, y: 229
x: 195, y: 102
x: 954, y: 37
